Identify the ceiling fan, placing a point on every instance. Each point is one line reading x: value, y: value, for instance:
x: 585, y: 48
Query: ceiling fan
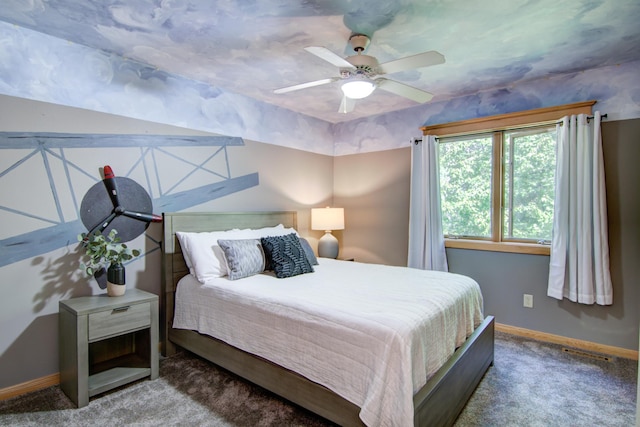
x: 362, y: 73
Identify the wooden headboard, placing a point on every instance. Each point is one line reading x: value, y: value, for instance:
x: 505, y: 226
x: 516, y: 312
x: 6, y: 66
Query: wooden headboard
x: 173, y: 265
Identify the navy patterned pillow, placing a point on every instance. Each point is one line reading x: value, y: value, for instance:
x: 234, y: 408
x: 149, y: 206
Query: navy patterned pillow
x: 244, y: 257
x: 285, y: 255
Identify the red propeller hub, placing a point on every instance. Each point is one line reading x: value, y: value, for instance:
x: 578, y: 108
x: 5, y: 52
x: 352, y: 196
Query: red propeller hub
x: 108, y: 172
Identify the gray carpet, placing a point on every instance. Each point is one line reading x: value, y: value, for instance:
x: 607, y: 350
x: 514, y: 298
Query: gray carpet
x: 530, y: 384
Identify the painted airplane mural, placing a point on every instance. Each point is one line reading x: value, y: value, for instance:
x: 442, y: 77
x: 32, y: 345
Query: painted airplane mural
x: 44, y: 176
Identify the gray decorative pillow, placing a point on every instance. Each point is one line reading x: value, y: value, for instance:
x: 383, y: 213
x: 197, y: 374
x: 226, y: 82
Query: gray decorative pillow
x: 308, y: 251
x: 287, y: 258
x: 245, y: 257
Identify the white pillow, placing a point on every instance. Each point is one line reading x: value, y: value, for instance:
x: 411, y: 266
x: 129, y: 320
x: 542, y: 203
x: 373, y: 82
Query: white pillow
x: 203, y: 254
x: 199, y: 252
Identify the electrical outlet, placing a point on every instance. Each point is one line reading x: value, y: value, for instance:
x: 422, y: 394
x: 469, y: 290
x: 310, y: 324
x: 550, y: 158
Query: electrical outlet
x: 528, y: 301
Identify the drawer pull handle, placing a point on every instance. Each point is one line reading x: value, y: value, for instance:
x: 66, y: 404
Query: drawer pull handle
x: 120, y: 309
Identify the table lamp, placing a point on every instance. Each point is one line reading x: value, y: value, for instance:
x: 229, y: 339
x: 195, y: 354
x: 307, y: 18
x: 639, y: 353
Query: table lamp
x: 327, y: 219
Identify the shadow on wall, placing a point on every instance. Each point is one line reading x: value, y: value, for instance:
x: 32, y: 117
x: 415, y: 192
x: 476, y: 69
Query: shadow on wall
x: 62, y: 278
x: 38, y: 339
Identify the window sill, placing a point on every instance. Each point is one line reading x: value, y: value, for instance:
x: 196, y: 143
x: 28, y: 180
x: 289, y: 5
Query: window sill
x: 512, y: 247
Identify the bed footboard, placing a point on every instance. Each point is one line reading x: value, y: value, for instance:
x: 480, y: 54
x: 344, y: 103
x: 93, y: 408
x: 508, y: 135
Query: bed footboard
x: 438, y: 403
x: 442, y: 399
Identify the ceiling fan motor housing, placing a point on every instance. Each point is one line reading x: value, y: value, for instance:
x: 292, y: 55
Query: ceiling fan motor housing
x: 364, y: 65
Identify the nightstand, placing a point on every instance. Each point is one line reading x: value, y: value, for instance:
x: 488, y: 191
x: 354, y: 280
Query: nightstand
x: 106, y: 342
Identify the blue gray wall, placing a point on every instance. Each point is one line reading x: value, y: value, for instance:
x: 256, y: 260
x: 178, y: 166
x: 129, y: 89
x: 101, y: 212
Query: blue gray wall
x: 374, y: 190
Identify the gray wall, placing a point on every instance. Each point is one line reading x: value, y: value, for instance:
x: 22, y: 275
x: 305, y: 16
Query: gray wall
x: 374, y: 191
x: 289, y: 179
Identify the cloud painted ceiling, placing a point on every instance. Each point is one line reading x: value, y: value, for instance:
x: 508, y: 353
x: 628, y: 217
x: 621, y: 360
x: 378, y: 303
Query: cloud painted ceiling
x: 253, y: 47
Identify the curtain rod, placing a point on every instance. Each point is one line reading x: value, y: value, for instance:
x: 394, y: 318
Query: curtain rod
x: 602, y: 116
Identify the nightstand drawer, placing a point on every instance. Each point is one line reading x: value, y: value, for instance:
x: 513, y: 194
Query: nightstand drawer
x: 121, y: 319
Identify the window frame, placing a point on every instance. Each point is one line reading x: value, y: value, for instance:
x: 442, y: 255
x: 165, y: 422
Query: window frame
x: 496, y: 125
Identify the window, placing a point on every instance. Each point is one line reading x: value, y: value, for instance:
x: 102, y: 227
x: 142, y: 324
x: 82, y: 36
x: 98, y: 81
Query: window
x: 524, y: 162
x: 497, y: 179
x: 465, y: 186
x: 529, y: 165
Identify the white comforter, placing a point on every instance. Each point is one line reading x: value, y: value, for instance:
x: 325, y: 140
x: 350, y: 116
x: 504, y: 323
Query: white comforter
x: 371, y: 333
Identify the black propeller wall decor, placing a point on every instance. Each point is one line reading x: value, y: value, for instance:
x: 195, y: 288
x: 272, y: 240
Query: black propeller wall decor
x: 116, y: 203
x: 119, y: 203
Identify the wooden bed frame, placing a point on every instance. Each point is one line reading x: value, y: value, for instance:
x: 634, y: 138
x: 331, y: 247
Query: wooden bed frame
x: 438, y: 403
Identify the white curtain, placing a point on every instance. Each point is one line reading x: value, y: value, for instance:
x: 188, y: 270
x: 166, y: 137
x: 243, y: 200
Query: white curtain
x: 579, y: 264
x: 426, y: 239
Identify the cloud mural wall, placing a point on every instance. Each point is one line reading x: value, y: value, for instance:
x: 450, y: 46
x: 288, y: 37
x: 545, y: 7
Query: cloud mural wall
x: 39, y: 67
x: 615, y: 88
x: 43, y: 68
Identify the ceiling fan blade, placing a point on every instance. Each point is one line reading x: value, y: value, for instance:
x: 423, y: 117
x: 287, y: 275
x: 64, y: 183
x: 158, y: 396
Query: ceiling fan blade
x: 306, y: 85
x: 112, y: 187
x: 149, y: 217
x: 327, y: 55
x: 404, y: 90
x: 347, y: 105
x: 420, y: 60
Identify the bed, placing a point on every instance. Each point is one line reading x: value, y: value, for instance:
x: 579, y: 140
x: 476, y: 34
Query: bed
x: 437, y: 402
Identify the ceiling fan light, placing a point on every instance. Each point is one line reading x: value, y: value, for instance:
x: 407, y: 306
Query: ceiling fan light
x: 357, y: 89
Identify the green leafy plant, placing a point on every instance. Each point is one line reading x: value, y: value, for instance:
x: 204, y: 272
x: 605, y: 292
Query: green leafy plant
x: 104, y: 250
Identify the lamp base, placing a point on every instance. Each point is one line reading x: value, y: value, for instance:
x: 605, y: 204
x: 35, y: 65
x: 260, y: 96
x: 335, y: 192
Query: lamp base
x: 328, y: 246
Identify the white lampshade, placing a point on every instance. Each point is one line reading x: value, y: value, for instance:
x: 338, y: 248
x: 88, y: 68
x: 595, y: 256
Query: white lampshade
x: 357, y: 89
x: 327, y: 219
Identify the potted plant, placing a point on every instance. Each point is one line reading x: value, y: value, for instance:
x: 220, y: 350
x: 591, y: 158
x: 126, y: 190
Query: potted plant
x: 107, y: 252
